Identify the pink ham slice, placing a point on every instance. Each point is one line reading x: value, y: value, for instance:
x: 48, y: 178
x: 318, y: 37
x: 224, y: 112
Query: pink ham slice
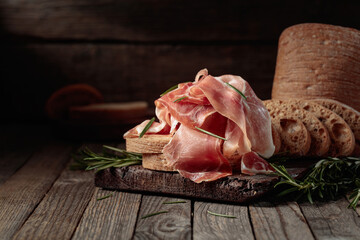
x: 250, y: 115
x: 252, y: 164
x: 196, y: 155
x: 212, y: 105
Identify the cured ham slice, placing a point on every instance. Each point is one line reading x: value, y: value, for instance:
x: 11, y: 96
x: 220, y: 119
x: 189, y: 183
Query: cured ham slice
x: 252, y: 164
x: 213, y: 104
x: 196, y: 155
x: 250, y: 115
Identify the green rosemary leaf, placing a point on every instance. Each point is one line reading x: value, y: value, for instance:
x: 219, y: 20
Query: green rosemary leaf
x: 209, y: 133
x: 220, y: 215
x: 179, y: 99
x: 104, y: 197
x: 153, y: 214
x: 169, y: 90
x: 329, y: 178
x: 174, y: 202
x: 147, y: 127
x: 237, y: 90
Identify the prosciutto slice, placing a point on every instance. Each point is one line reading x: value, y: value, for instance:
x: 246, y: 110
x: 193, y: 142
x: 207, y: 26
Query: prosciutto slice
x: 215, y: 105
x: 196, y: 155
x: 252, y: 164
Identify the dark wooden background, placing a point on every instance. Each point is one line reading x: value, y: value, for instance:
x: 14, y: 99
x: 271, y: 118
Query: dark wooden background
x: 135, y: 49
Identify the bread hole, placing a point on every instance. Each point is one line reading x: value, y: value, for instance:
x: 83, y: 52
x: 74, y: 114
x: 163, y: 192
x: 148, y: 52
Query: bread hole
x: 321, y: 119
x: 290, y: 126
x: 332, y: 121
x: 321, y: 131
x: 307, y: 107
x: 339, y: 130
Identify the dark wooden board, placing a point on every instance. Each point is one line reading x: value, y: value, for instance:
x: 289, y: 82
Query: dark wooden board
x: 235, y: 188
x: 161, y: 20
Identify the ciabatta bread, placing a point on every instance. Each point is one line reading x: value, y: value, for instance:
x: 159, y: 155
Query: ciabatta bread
x: 320, y: 139
x: 342, y: 138
x: 350, y: 115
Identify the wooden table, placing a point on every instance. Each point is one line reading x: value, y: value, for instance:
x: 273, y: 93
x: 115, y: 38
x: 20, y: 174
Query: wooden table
x: 40, y: 198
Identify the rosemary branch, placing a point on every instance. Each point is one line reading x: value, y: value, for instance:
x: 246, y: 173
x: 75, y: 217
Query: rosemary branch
x: 86, y: 159
x: 329, y: 178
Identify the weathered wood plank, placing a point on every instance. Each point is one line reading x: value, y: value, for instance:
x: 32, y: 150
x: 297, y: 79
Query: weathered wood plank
x: 21, y: 193
x: 208, y: 227
x: 10, y: 162
x: 283, y: 221
x: 332, y: 220
x: 110, y: 218
x: 123, y: 72
x: 161, y: 20
x: 59, y: 213
x: 176, y: 224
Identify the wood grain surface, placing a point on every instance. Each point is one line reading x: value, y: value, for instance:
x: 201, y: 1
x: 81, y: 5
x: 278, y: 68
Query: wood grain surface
x: 175, y: 224
x: 23, y: 191
x: 160, y: 20
x: 207, y: 226
x: 332, y: 220
x: 110, y: 218
x: 61, y: 208
x: 280, y: 221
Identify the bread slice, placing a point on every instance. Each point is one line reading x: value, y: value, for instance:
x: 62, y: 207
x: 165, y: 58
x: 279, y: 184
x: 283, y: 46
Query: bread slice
x: 152, y: 143
x: 320, y: 139
x: 342, y: 138
x: 276, y: 138
x: 156, y: 161
x: 350, y: 115
x: 294, y: 136
x: 108, y: 113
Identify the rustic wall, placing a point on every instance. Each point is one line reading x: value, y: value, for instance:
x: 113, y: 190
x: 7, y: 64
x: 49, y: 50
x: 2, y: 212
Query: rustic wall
x: 135, y: 49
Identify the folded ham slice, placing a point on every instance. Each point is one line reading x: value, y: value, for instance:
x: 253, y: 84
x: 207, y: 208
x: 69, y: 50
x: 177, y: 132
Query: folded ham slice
x: 215, y: 105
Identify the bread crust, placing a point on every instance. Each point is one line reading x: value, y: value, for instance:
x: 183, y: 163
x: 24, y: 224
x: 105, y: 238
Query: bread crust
x: 318, y: 61
x: 350, y: 115
x: 341, y: 135
x: 320, y: 139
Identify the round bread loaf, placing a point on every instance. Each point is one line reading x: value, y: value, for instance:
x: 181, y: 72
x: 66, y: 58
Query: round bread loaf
x: 318, y: 61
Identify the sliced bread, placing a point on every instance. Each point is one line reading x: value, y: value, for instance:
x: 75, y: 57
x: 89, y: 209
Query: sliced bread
x: 350, y: 115
x: 320, y: 139
x: 342, y: 138
x: 276, y: 138
x: 152, y: 143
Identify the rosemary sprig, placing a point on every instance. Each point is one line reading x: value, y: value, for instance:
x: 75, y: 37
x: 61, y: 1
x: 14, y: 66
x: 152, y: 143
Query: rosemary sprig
x: 147, y: 127
x: 86, y: 159
x: 220, y: 215
x: 153, y: 214
x: 169, y: 90
x: 237, y: 90
x: 329, y: 178
x: 210, y: 133
x: 179, y: 99
x: 104, y: 197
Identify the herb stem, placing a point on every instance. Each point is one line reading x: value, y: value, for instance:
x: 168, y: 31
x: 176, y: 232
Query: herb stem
x: 237, y: 90
x: 146, y: 128
x: 210, y: 133
x: 220, y: 215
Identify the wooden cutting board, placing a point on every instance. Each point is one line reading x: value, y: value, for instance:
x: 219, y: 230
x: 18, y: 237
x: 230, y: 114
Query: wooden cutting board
x: 236, y: 188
